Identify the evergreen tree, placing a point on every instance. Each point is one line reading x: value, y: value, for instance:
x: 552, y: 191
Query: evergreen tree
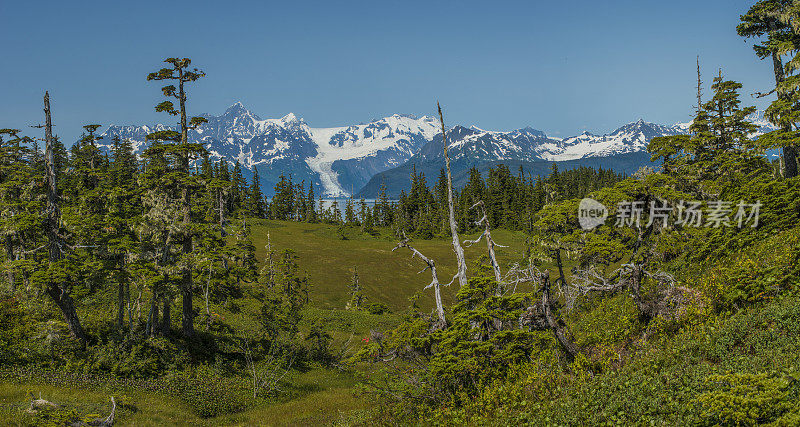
x: 256, y: 198
x: 183, y: 151
x: 282, y: 205
x: 770, y: 21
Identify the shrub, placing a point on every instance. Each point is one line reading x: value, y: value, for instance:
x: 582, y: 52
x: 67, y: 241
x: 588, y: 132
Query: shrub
x: 749, y: 399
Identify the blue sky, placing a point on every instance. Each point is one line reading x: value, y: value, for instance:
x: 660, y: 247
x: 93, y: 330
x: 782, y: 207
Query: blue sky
x: 561, y: 67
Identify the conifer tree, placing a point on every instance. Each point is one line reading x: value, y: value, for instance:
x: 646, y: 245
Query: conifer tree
x: 350, y: 212
x: 19, y: 204
x: 770, y: 20
x: 183, y: 150
x: 255, y: 197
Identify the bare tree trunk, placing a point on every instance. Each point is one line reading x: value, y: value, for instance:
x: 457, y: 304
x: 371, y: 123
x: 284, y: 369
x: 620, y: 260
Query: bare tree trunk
x: 490, y: 243
x: 120, y: 304
x: 166, y: 321
x: 221, y: 214
x: 152, y: 316
x: 12, y: 281
x: 120, y: 293
x: 57, y: 291
x: 645, y: 310
x: 206, y: 292
x: 130, y: 306
x: 560, y: 266
x: 187, y: 321
x: 555, y: 323
x: 462, y: 263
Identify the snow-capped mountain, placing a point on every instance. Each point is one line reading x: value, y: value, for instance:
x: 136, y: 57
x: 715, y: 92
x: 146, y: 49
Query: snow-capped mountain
x: 624, y: 150
x: 530, y: 145
x: 338, y: 161
x: 629, y: 138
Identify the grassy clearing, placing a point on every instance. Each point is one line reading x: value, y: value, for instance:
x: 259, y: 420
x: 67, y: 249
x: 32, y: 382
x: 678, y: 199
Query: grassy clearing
x: 386, y: 276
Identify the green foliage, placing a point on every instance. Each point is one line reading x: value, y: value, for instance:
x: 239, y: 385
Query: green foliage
x: 749, y: 399
x: 474, y: 349
x: 759, y: 273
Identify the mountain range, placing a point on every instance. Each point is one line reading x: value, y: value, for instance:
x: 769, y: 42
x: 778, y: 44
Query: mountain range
x: 355, y: 160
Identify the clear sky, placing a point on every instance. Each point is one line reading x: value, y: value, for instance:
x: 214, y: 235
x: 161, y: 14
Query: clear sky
x: 559, y: 66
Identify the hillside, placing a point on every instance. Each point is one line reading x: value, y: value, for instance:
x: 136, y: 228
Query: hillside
x: 660, y: 377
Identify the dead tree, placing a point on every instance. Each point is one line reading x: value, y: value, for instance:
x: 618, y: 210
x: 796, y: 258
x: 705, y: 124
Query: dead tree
x: 628, y: 277
x: 39, y: 404
x: 268, y: 271
x: 356, y: 296
x: 56, y: 243
x: 543, y: 314
x: 461, y: 273
x: 490, y: 243
x: 268, y: 374
x: 430, y: 264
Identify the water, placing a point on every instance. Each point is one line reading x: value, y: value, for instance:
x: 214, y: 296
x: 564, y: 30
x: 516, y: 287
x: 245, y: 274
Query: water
x: 342, y: 202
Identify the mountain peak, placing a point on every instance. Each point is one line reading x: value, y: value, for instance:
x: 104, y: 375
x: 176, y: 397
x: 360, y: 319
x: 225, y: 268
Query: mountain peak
x: 290, y: 118
x: 237, y: 109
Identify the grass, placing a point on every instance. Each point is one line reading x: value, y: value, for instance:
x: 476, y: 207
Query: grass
x: 386, y: 276
x: 134, y: 408
x: 319, y: 396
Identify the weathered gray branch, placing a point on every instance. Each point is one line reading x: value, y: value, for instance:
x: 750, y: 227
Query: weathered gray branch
x: 490, y: 243
x: 629, y: 276
x: 430, y: 264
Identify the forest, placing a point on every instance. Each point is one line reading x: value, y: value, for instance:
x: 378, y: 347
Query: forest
x: 165, y: 289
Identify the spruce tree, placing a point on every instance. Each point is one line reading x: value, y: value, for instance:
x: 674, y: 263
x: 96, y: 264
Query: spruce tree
x: 184, y: 151
x: 769, y: 20
x: 255, y: 197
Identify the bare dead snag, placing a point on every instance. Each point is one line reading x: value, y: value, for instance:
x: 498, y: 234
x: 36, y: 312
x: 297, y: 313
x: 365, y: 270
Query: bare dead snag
x: 629, y: 277
x: 58, y: 292
x: 461, y: 273
x: 266, y: 375
x: 430, y: 264
x: 490, y: 243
